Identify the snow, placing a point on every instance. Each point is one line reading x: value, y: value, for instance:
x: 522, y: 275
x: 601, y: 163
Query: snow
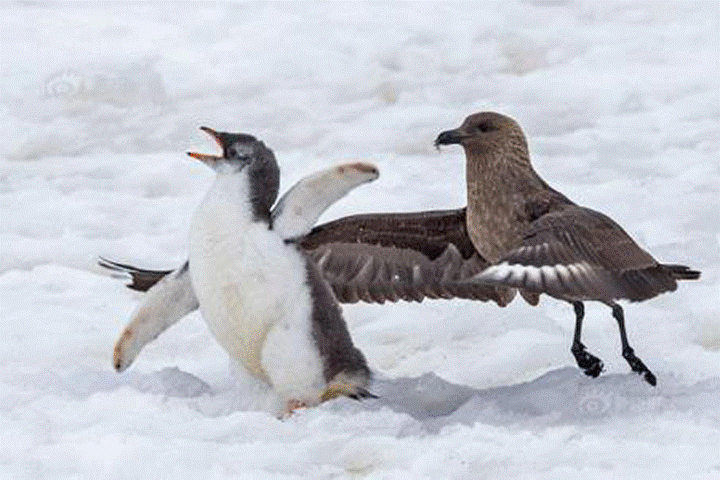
x: 621, y: 105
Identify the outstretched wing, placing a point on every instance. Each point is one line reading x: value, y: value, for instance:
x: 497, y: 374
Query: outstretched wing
x: 400, y: 256
x: 140, y: 279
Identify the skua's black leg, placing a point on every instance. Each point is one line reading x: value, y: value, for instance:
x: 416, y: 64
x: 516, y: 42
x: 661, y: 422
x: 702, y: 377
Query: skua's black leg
x: 589, y: 363
x: 627, y: 352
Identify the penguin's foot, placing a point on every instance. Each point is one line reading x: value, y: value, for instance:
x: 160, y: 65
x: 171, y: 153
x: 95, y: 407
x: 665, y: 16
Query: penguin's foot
x: 290, y: 407
x: 336, y: 390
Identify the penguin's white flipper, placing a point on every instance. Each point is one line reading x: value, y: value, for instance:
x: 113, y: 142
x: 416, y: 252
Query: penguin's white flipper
x: 165, y: 303
x: 173, y: 297
x: 300, y: 207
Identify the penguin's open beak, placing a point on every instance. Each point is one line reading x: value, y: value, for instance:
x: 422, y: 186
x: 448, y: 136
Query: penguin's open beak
x: 208, y: 159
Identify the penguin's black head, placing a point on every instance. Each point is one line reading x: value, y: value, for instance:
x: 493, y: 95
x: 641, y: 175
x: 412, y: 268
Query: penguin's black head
x: 241, y: 151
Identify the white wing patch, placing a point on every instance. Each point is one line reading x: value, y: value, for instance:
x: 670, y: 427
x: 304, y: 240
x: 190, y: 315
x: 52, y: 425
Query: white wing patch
x: 551, y: 274
x: 546, y: 277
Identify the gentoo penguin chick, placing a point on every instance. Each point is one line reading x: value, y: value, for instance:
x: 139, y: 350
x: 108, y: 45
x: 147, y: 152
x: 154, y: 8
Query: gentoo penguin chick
x: 170, y: 295
x: 539, y: 241
x: 263, y: 299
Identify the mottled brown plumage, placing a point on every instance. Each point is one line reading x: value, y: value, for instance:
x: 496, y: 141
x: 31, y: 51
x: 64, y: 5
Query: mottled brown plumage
x: 541, y: 242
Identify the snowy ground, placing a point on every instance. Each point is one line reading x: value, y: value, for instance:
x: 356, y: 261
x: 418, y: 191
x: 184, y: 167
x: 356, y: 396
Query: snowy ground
x: 621, y: 104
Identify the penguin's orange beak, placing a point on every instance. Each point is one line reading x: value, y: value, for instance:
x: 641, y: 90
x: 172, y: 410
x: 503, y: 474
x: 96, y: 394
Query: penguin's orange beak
x: 209, y: 159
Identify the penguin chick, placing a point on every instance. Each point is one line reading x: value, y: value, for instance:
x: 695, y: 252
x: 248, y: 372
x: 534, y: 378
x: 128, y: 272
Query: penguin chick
x: 264, y: 299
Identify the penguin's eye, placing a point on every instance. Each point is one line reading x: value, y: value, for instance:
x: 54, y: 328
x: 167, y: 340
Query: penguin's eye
x: 484, y: 127
x: 240, y: 150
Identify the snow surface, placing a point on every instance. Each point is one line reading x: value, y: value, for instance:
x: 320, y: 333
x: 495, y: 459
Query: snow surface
x: 621, y: 104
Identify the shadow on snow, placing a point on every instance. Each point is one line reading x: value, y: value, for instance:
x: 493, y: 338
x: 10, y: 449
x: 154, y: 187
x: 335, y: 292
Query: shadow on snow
x: 562, y: 396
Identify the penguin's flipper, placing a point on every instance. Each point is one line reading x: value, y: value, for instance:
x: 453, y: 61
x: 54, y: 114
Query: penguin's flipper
x: 299, y: 208
x: 165, y: 303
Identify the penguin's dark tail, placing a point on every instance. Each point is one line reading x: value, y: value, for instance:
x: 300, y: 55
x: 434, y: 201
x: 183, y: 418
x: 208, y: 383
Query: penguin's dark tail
x: 355, y: 392
x: 361, y: 394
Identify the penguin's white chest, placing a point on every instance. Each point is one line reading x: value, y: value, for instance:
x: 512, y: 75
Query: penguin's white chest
x: 251, y: 287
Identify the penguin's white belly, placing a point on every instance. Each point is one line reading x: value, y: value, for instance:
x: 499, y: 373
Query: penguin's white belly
x: 250, y: 285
